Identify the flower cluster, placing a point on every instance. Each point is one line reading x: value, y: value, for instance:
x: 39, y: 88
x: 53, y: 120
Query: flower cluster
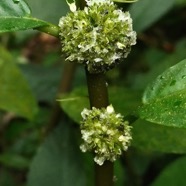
x: 98, y: 36
x: 105, y: 133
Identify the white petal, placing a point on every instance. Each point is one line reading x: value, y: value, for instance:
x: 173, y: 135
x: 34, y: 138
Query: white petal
x: 110, y: 109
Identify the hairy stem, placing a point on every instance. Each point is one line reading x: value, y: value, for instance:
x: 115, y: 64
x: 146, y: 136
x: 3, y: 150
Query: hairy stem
x: 98, y: 96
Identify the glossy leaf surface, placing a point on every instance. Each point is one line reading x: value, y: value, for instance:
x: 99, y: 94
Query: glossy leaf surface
x: 16, y: 15
x: 164, y: 101
x: 16, y: 8
x: 10, y: 24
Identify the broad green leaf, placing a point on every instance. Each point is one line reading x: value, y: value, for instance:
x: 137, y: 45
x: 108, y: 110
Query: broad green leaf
x: 58, y: 161
x: 10, y: 24
x: 173, y: 174
x: 165, y: 99
x: 15, y: 94
x: 146, y: 12
x: 76, y: 101
x: 16, y: 8
x: 152, y: 137
x: 16, y: 15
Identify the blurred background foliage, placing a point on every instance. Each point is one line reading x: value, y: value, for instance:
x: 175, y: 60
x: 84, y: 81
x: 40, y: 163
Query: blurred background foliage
x: 39, y: 143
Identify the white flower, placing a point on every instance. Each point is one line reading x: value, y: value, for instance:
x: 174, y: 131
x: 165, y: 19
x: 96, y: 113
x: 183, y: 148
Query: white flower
x: 110, y: 109
x: 86, y: 135
x: 98, y: 59
x: 120, y: 45
x: 99, y: 160
x: 84, y: 113
x: 98, y: 36
x: 115, y: 56
x: 92, y: 2
x: 121, y: 138
x: 83, y: 148
x: 72, y: 6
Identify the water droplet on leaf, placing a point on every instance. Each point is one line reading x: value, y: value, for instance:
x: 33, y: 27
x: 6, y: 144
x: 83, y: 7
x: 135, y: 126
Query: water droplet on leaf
x: 173, y: 82
x: 16, y: 1
x: 162, y: 77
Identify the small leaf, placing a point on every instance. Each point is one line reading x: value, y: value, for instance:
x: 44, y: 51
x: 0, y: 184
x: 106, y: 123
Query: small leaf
x: 152, y: 137
x: 15, y: 94
x: 173, y: 175
x: 146, y: 12
x: 77, y: 101
x: 165, y: 99
x: 58, y: 161
x: 16, y: 15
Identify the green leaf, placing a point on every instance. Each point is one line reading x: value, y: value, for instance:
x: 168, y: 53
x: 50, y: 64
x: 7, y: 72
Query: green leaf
x: 165, y: 99
x: 152, y: 137
x: 173, y: 175
x: 14, y: 161
x: 10, y: 24
x: 76, y: 101
x: 15, y: 15
x: 146, y: 12
x: 14, y: 8
x: 15, y: 94
x: 58, y: 161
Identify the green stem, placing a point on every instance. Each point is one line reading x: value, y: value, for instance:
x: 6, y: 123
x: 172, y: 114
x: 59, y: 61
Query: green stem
x: 98, y: 96
x: 97, y: 89
x: 49, y: 29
